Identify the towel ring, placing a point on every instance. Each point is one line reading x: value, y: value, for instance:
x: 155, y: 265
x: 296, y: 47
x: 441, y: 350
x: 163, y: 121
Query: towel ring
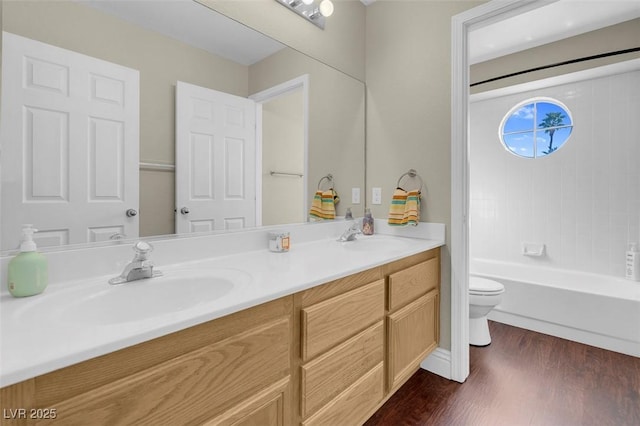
x: 328, y: 178
x: 412, y: 174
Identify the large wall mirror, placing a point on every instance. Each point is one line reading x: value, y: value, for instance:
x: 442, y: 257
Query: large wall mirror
x: 311, y: 118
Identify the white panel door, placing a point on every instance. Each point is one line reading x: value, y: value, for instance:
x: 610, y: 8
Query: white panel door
x: 69, y: 138
x: 215, y: 160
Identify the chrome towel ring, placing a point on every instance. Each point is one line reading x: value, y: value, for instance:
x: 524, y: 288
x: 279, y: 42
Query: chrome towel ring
x: 413, y: 175
x: 328, y: 178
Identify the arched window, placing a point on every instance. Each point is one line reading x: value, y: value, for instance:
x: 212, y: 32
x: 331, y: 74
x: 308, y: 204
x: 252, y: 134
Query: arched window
x: 536, y: 127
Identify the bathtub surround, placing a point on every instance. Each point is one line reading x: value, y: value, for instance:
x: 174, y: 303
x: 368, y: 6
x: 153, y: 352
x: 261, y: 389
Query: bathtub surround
x: 583, y: 201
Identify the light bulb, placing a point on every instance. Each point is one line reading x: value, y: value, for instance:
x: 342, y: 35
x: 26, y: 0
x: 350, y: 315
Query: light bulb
x: 326, y: 8
x: 307, y: 2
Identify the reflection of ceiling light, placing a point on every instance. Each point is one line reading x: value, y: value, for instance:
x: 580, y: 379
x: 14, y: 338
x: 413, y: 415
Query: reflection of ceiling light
x: 309, y: 11
x: 326, y: 8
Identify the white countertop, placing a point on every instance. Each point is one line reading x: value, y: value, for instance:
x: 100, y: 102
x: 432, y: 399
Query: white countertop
x: 41, y: 334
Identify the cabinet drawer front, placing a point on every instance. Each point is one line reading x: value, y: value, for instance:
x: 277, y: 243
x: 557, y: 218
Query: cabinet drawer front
x: 270, y: 407
x: 407, y: 285
x: 412, y: 334
x: 331, y: 322
x: 190, y: 388
x: 355, y: 404
x: 331, y: 373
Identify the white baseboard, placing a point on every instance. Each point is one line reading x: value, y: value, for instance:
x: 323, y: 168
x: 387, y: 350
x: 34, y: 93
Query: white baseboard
x: 439, y: 362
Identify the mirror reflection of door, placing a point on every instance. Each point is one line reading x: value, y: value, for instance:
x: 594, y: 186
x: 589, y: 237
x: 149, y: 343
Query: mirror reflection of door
x: 215, y: 160
x: 283, y: 159
x: 71, y: 132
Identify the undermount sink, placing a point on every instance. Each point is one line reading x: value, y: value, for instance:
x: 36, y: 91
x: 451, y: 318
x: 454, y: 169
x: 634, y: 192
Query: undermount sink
x: 374, y: 242
x: 139, y: 300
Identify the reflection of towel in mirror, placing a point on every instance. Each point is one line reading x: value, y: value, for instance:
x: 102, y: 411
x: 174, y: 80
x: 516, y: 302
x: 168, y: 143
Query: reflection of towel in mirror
x: 397, y: 208
x: 323, y: 205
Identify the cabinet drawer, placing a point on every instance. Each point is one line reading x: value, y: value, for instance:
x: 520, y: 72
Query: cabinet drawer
x: 270, y: 407
x: 354, y: 405
x: 413, y: 333
x: 331, y: 373
x: 413, y: 282
x: 190, y: 388
x: 331, y: 322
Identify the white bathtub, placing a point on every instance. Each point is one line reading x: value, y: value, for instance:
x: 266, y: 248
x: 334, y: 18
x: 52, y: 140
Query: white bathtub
x: 597, y: 310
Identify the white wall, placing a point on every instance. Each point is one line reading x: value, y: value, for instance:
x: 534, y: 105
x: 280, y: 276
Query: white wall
x: 583, y: 201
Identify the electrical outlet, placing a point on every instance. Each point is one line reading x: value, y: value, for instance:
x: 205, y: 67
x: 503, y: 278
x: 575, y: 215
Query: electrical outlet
x: 376, y: 196
x: 355, y: 195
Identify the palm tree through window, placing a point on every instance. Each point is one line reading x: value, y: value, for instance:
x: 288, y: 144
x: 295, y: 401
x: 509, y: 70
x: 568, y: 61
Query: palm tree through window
x: 536, y: 127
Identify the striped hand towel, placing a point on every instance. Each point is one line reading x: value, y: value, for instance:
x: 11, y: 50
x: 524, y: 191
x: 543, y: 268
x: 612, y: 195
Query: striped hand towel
x: 398, y: 207
x: 323, y: 205
x: 412, y: 210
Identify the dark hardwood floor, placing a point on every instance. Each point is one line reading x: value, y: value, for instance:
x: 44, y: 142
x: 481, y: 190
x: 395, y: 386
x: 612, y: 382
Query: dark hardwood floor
x: 524, y: 378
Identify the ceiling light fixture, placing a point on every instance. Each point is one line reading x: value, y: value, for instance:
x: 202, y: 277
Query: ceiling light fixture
x: 309, y: 11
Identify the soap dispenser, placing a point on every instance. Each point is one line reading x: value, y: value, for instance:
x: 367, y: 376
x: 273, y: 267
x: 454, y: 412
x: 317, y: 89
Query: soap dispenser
x: 367, y: 222
x: 28, y: 271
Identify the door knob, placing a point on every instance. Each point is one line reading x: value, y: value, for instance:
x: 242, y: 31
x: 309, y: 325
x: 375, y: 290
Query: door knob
x: 132, y: 212
x: 184, y: 210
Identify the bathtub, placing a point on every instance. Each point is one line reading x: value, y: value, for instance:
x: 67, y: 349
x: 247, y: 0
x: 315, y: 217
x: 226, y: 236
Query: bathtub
x: 597, y: 310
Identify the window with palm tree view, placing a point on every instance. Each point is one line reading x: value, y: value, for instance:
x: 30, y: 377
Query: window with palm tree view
x: 536, y: 127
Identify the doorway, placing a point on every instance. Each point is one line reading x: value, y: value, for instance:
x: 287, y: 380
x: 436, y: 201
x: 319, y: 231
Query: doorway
x: 282, y: 116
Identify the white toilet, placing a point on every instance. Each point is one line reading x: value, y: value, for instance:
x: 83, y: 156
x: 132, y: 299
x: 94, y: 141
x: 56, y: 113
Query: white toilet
x: 484, y: 295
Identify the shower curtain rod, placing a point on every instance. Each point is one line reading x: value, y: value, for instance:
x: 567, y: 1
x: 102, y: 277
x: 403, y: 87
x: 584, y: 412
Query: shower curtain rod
x: 557, y: 64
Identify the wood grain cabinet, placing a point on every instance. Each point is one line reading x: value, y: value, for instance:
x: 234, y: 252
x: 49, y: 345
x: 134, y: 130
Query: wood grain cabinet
x: 342, y: 350
x: 412, y: 318
x: 234, y: 370
x: 330, y: 355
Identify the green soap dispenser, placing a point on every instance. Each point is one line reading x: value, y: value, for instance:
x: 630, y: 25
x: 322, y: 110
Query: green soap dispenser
x: 28, y: 271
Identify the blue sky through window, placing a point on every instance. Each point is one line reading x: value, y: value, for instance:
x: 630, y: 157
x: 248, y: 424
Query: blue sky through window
x: 536, y: 128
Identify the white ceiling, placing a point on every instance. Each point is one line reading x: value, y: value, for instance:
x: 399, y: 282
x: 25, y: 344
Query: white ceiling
x: 546, y: 24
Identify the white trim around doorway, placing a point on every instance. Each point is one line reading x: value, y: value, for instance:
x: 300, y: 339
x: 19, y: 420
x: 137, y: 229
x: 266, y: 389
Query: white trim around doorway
x: 461, y: 25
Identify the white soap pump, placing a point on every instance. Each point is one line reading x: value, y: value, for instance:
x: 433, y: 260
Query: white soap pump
x: 632, y: 264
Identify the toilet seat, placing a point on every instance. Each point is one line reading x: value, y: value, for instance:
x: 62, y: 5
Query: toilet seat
x: 484, y: 287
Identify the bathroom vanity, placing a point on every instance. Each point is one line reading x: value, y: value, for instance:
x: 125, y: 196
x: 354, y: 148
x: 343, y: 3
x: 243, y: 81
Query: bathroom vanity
x: 328, y: 352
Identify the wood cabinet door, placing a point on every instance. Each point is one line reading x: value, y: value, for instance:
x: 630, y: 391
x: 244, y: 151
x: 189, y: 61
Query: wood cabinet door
x: 412, y: 333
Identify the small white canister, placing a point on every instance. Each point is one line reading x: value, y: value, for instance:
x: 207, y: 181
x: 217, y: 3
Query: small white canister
x: 279, y: 241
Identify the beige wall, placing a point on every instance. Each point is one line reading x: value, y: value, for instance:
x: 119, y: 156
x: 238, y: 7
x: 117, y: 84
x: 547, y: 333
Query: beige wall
x: 341, y: 44
x: 336, y: 122
x: 616, y: 37
x: 408, y: 67
x: 161, y: 61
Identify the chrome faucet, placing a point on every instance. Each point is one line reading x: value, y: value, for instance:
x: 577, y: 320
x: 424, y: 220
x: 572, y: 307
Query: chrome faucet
x: 140, y: 267
x: 350, y: 233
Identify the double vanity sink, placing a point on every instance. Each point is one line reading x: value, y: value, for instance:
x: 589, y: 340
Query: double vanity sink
x: 211, y: 276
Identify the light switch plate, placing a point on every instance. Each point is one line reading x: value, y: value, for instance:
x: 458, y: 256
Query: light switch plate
x: 355, y: 195
x: 376, y: 196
